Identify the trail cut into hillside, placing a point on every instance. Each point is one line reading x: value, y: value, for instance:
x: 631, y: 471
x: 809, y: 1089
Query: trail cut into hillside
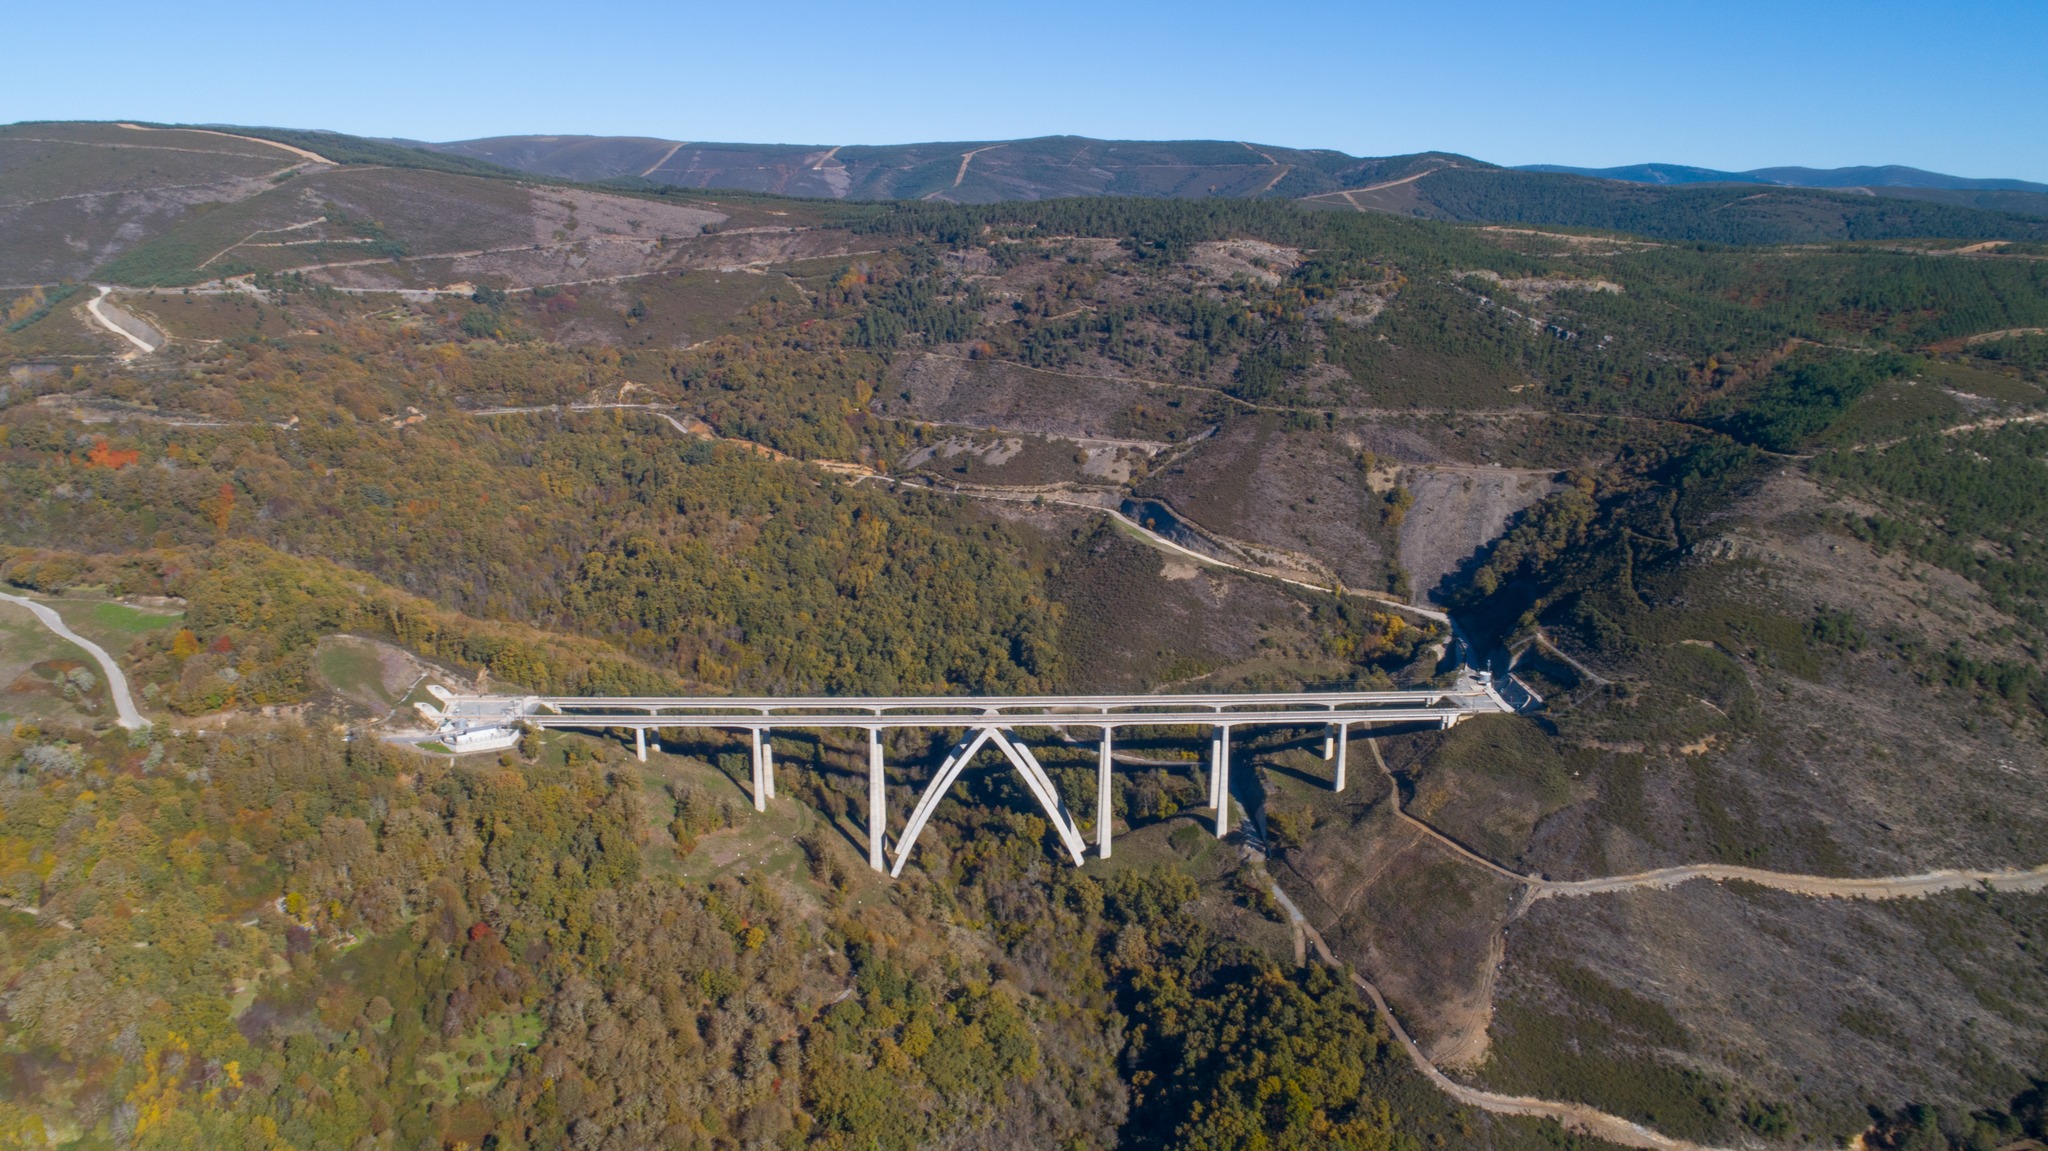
x: 1578, y: 1117
x: 301, y: 153
x: 1572, y: 1116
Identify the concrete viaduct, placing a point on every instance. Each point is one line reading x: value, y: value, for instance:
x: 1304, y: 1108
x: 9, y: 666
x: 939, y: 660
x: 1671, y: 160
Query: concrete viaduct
x: 986, y: 720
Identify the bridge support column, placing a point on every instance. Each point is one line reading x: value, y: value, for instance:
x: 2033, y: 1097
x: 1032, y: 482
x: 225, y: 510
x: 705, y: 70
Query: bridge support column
x: 1105, y: 812
x: 1330, y: 742
x: 768, y: 763
x: 1222, y: 782
x: 640, y: 743
x: 1215, y: 762
x: 876, y: 802
x: 1343, y: 738
x: 760, y: 795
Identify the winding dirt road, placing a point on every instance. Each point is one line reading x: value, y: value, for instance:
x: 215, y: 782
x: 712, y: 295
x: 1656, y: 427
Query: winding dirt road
x: 1572, y: 1116
x: 1579, y: 1117
x: 1825, y: 886
x: 301, y: 153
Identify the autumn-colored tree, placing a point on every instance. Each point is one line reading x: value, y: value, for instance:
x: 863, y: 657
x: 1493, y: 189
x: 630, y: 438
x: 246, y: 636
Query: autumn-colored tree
x: 102, y: 456
x: 223, y: 508
x: 25, y: 306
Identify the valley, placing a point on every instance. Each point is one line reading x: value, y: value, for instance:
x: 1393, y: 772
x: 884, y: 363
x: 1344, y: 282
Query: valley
x: 1745, y: 530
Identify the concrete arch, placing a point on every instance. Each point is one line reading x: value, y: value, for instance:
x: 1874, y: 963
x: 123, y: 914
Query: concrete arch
x: 933, y: 791
x: 1027, y: 765
x: 1041, y: 785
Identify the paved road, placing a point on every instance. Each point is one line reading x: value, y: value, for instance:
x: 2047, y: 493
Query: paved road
x: 122, y: 324
x: 117, y: 683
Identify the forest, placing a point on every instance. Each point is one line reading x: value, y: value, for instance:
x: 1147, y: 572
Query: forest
x: 495, y: 957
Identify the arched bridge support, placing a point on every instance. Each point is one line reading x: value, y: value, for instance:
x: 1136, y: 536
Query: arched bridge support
x: 1035, y: 778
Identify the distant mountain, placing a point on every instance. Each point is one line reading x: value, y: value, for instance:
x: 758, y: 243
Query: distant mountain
x: 966, y: 171
x: 985, y: 171
x: 1888, y: 176
x: 162, y: 205
x: 1893, y: 180
x: 1439, y: 185
x: 1686, y: 204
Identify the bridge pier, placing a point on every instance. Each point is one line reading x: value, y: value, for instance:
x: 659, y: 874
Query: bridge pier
x: 877, y: 803
x: 640, y: 743
x: 1222, y: 784
x: 1104, y: 812
x: 1215, y: 762
x: 1343, y: 738
x: 760, y: 793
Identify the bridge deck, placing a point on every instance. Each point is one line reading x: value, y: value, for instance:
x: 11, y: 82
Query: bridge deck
x: 949, y: 711
x: 750, y: 720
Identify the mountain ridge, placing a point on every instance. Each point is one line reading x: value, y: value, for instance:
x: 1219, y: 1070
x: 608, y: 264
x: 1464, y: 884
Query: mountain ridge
x: 1795, y: 176
x: 1891, y: 181
x: 178, y: 206
x: 971, y: 171
x: 1044, y: 167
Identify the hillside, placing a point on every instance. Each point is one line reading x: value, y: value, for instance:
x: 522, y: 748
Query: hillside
x: 964, y: 172
x: 1718, y: 214
x: 73, y: 196
x: 1893, y: 180
x: 1754, y: 528
x: 160, y: 207
x: 1832, y: 205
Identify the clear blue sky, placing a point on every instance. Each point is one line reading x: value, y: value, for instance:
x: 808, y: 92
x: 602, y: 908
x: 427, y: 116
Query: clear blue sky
x: 1957, y: 86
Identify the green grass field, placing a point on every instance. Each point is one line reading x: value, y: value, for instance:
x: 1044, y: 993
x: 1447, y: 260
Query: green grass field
x: 99, y: 620
x: 352, y: 667
x: 112, y: 625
